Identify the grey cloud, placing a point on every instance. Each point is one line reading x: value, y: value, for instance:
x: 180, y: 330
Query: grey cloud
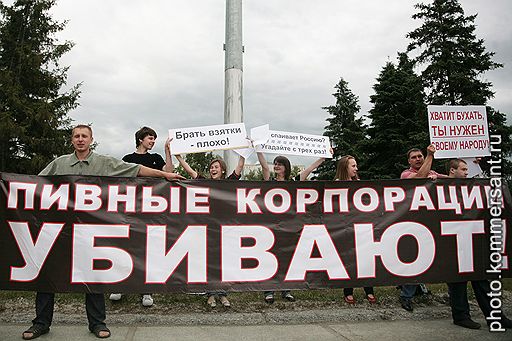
x: 160, y: 63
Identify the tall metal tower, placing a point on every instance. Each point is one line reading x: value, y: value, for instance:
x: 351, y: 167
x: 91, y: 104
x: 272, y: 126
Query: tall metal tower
x: 233, y: 85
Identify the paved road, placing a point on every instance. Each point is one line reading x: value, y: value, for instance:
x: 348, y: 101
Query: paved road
x: 438, y: 329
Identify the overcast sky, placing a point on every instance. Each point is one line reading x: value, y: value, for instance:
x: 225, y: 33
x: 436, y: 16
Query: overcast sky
x: 160, y: 63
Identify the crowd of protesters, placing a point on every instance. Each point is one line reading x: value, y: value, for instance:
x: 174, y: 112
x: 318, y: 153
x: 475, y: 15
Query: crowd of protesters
x: 83, y: 161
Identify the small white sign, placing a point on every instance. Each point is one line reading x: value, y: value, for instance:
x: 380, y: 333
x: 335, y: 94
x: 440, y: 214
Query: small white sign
x: 259, y: 136
x: 208, y: 138
x: 474, y: 170
x: 281, y: 142
x: 459, y: 131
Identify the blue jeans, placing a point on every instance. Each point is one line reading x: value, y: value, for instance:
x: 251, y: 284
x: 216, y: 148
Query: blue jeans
x: 408, y: 291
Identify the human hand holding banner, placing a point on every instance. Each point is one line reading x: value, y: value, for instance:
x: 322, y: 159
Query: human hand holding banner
x: 259, y: 136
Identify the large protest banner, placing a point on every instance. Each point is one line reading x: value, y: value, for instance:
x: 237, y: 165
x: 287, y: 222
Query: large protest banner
x: 108, y: 234
x: 459, y: 131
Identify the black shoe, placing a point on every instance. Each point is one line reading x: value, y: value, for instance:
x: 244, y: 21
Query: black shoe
x: 34, y: 332
x: 406, y: 304
x: 505, y: 322
x: 469, y: 323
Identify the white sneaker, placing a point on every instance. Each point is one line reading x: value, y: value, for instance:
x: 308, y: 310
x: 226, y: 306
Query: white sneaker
x: 211, y: 301
x: 147, y: 300
x: 225, y: 302
x: 115, y: 297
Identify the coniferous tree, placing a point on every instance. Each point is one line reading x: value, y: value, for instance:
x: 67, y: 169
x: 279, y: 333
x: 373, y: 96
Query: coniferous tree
x: 345, y: 130
x: 498, y: 126
x: 453, y: 57
x: 454, y: 62
x: 398, y: 120
x: 34, y: 126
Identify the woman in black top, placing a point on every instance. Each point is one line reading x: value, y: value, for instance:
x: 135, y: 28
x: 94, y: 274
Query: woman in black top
x: 282, y: 172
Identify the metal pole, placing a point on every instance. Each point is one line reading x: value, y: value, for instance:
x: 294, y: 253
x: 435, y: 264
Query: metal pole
x: 233, y: 109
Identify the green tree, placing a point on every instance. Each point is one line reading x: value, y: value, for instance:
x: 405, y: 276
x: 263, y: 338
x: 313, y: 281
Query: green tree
x: 454, y: 61
x: 398, y: 120
x: 254, y: 175
x: 34, y: 126
x: 498, y: 126
x: 345, y: 130
x: 200, y: 162
x: 257, y: 175
x: 294, y: 172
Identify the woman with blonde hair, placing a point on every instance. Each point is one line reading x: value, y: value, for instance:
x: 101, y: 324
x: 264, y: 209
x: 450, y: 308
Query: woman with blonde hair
x: 347, y: 171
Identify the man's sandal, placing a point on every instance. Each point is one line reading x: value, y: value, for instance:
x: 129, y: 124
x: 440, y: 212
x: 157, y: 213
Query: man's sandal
x: 35, y: 331
x: 101, y: 328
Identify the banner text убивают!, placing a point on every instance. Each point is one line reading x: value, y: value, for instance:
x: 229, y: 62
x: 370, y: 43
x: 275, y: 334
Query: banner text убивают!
x: 108, y: 234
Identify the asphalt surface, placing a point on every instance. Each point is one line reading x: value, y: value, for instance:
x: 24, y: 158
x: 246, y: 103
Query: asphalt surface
x: 436, y: 329
x: 281, y: 321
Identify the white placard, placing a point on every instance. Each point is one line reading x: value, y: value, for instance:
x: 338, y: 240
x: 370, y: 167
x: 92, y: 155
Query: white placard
x: 208, y: 138
x: 459, y: 131
x: 259, y: 136
x: 474, y: 170
x: 281, y: 142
